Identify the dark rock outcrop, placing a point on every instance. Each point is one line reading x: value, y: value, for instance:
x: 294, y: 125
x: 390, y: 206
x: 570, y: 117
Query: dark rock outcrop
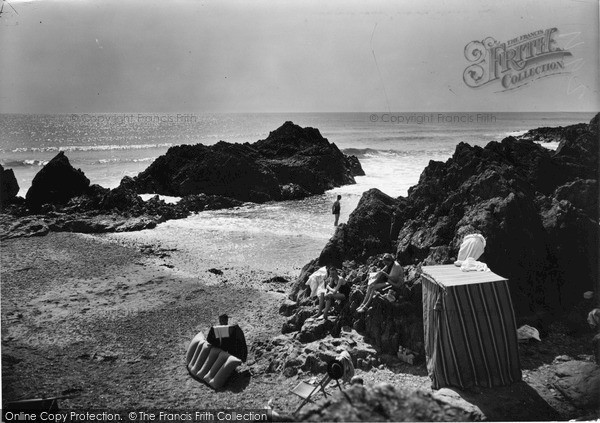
x: 537, y: 208
x: 554, y: 134
x: 371, y: 223
x: 288, y: 355
x: 292, y: 162
x: 579, y: 381
x: 61, y: 200
x: 389, y: 323
x: 56, y: 183
x: 9, y: 187
x: 385, y: 402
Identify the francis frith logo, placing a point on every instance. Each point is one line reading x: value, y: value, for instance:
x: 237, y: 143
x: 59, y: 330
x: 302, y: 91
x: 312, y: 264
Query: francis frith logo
x: 516, y: 62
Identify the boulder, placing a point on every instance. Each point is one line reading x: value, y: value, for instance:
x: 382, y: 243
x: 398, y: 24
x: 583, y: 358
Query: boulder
x: 573, y: 237
x: 56, y: 183
x: 385, y: 402
x: 9, y: 187
x: 291, y: 163
x: 367, y: 232
x: 287, y: 355
x: 22, y: 228
x: 122, y: 199
x: 100, y: 224
x: 313, y: 330
x: 579, y: 382
x: 582, y: 193
x: 553, y: 134
x: 224, y: 169
x: 389, y: 325
x: 288, y: 307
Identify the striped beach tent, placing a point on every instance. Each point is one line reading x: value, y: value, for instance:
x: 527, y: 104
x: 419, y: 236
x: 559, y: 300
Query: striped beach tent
x: 470, y: 329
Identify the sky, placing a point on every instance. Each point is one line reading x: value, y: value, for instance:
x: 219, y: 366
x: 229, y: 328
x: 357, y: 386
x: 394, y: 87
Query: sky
x: 68, y: 56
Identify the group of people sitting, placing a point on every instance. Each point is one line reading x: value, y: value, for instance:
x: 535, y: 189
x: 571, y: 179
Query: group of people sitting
x: 329, y: 284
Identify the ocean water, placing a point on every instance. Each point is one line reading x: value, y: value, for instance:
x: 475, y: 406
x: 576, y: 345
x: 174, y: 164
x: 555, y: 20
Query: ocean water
x: 393, y: 149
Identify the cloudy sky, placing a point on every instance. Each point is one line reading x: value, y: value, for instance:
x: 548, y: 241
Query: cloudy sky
x: 67, y: 56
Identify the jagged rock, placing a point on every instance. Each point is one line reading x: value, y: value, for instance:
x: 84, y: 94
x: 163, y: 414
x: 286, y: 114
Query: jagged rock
x: 297, y: 319
x: 530, y: 203
x: 369, y: 232
x: 88, y: 202
x: 9, y: 187
x: 538, y: 210
x: 554, y: 134
x: 196, y: 203
x: 101, y: 224
x: 404, y: 328
x: 56, y: 183
x: 287, y: 355
x: 122, y: 199
x: 292, y: 162
x: 313, y: 330
x: 580, y: 383
x: 276, y: 279
x: 136, y: 224
x: 225, y: 169
x: 390, y: 325
x: 293, y: 191
x: 574, y: 238
x: 24, y: 227
x: 385, y: 402
x: 300, y: 290
x: 582, y: 193
x: 288, y: 307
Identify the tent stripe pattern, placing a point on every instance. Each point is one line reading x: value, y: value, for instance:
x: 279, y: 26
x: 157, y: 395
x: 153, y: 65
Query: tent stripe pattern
x: 470, y: 329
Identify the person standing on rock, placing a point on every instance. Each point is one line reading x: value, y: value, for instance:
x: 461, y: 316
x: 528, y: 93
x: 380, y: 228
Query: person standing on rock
x: 335, y: 209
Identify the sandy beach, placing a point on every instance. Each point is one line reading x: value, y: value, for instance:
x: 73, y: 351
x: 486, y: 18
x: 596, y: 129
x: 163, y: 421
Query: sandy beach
x: 107, y: 325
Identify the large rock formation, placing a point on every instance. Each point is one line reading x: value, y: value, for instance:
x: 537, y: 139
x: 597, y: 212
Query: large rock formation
x: 56, y: 183
x: 292, y: 162
x: 62, y: 200
x: 390, y: 322
x: 537, y: 208
x: 9, y: 187
x: 386, y: 403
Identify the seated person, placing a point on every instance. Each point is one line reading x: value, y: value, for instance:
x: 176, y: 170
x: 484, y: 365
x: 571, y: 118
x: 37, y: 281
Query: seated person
x: 234, y: 341
x: 391, y: 275
x: 335, y: 288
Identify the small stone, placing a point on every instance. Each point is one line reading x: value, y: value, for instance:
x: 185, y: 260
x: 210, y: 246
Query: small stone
x: 357, y: 380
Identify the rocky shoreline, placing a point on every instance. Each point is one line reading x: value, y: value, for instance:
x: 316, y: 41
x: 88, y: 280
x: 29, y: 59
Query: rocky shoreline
x: 538, y: 210
x: 291, y: 163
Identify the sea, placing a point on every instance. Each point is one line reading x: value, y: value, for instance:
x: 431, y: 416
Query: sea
x: 279, y: 237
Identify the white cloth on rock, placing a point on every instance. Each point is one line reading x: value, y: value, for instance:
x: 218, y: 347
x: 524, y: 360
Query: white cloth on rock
x: 472, y: 265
